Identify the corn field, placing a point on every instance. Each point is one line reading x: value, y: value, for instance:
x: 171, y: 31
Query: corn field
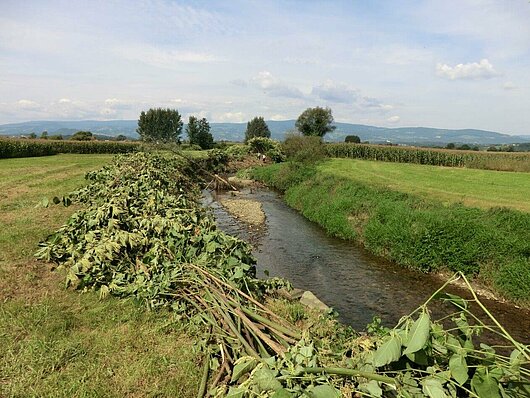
x: 433, y: 157
x: 18, y: 148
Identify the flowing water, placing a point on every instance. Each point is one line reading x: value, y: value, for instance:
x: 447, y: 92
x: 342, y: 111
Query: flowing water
x: 343, y: 275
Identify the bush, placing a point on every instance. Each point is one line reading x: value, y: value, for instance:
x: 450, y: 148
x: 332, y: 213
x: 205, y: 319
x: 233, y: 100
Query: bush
x: 301, y: 148
x: 237, y: 152
x: 270, y: 148
x: 353, y: 138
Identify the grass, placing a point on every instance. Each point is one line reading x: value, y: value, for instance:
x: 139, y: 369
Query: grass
x: 55, y: 342
x: 418, y: 231
x: 471, y: 187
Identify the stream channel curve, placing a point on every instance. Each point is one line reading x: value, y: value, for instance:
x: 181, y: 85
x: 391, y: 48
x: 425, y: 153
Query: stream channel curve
x: 357, y: 284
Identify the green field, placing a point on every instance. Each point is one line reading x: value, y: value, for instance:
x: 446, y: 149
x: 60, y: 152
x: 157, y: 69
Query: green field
x: 471, y: 187
x: 59, y: 343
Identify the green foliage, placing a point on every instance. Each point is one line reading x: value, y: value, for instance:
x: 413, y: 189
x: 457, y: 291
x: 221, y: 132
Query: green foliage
x: 434, y: 157
x: 160, y: 125
x: 198, y: 131
x: 352, y: 138
x: 416, y: 233
x: 257, y: 127
x: 270, y: 148
x: 44, y: 135
x: 13, y: 148
x: 217, y: 161
x: 121, y: 137
x: 82, y: 136
x: 299, y: 148
x: 33, y: 136
x: 315, y: 122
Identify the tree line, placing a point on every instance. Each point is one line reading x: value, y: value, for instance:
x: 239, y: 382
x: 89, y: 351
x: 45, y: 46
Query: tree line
x: 166, y: 125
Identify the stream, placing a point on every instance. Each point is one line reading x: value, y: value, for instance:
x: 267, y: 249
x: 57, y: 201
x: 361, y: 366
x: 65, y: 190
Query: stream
x: 342, y: 274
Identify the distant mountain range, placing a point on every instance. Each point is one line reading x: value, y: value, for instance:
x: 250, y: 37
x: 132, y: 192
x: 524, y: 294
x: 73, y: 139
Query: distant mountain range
x: 236, y: 132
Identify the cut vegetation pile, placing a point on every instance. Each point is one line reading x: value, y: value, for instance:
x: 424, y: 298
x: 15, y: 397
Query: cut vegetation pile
x: 141, y: 233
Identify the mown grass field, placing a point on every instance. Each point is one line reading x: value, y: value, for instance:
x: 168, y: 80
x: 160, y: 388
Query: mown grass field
x: 60, y: 343
x: 471, y: 187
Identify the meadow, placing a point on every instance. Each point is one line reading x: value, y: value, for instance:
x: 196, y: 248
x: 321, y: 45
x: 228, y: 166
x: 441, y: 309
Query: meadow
x: 471, y: 187
x: 56, y: 342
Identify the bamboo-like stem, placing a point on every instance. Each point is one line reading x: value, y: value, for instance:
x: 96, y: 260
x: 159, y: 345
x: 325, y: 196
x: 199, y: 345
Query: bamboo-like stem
x: 349, y: 372
x: 507, y: 335
x: 204, y: 379
x: 277, y: 348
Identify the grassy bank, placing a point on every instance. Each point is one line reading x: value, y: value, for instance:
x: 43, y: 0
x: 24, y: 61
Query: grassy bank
x: 425, y: 231
x: 55, y: 342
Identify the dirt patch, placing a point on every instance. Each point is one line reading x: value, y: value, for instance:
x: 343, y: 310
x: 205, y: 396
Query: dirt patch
x: 246, y: 210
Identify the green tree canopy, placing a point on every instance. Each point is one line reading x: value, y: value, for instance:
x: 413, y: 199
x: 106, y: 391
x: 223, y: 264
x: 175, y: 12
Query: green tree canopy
x: 257, y: 127
x: 82, y: 136
x: 315, y: 121
x: 160, y: 125
x: 199, y: 132
x: 44, y: 135
x: 352, y: 138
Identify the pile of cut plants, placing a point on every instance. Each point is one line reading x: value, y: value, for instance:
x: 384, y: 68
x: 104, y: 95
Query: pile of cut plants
x: 140, y: 233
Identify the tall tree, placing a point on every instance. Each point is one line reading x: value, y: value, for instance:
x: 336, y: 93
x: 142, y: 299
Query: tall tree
x: 160, y: 125
x: 199, y: 132
x: 257, y: 127
x: 315, y: 121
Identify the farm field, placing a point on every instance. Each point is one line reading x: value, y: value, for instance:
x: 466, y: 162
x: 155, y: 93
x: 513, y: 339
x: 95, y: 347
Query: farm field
x: 471, y: 187
x: 57, y: 342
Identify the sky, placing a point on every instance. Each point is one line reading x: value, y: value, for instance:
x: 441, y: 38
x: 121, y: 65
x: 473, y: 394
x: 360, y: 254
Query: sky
x: 445, y: 64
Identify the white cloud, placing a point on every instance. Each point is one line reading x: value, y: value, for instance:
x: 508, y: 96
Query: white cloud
x: 278, y: 117
x: 65, y: 101
x: 165, y: 58
x: 274, y: 86
x: 470, y: 71
x: 28, y: 105
x: 336, y: 92
x: 393, y: 119
x: 509, y: 86
x: 234, y: 117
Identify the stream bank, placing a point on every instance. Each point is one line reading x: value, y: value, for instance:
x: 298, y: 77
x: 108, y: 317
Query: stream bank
x: 343, y: 275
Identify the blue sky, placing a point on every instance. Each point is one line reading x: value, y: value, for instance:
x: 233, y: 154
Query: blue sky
x: 448, y: 64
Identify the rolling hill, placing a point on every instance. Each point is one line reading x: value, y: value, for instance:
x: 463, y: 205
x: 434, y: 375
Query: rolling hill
x: 236, y: 132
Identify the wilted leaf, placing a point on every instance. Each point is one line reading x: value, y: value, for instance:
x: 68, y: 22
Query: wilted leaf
x: 389, y: 352
x: 419, y: 334
x: 433, y: 388
x: 458, y: 368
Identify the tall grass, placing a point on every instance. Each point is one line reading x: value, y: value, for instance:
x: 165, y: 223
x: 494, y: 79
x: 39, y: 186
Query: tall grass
x: 434, y: 157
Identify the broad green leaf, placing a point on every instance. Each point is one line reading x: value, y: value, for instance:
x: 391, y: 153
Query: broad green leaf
x: 389, y: 352
x: 324, y: 391
x: 457, y: 301
x: 236, y: 392
x: 242, y: 368
x: 419, y: 334
x: 373, y: 388
x: 433, y: 388
x: 484, y: 385
x: 458, y: 368
x: 265, y: 379
x: 282, y: 393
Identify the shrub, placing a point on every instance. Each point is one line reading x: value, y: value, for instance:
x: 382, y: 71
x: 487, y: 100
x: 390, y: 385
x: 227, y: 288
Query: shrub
x: 303, y: 148
x: 272, y: 149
